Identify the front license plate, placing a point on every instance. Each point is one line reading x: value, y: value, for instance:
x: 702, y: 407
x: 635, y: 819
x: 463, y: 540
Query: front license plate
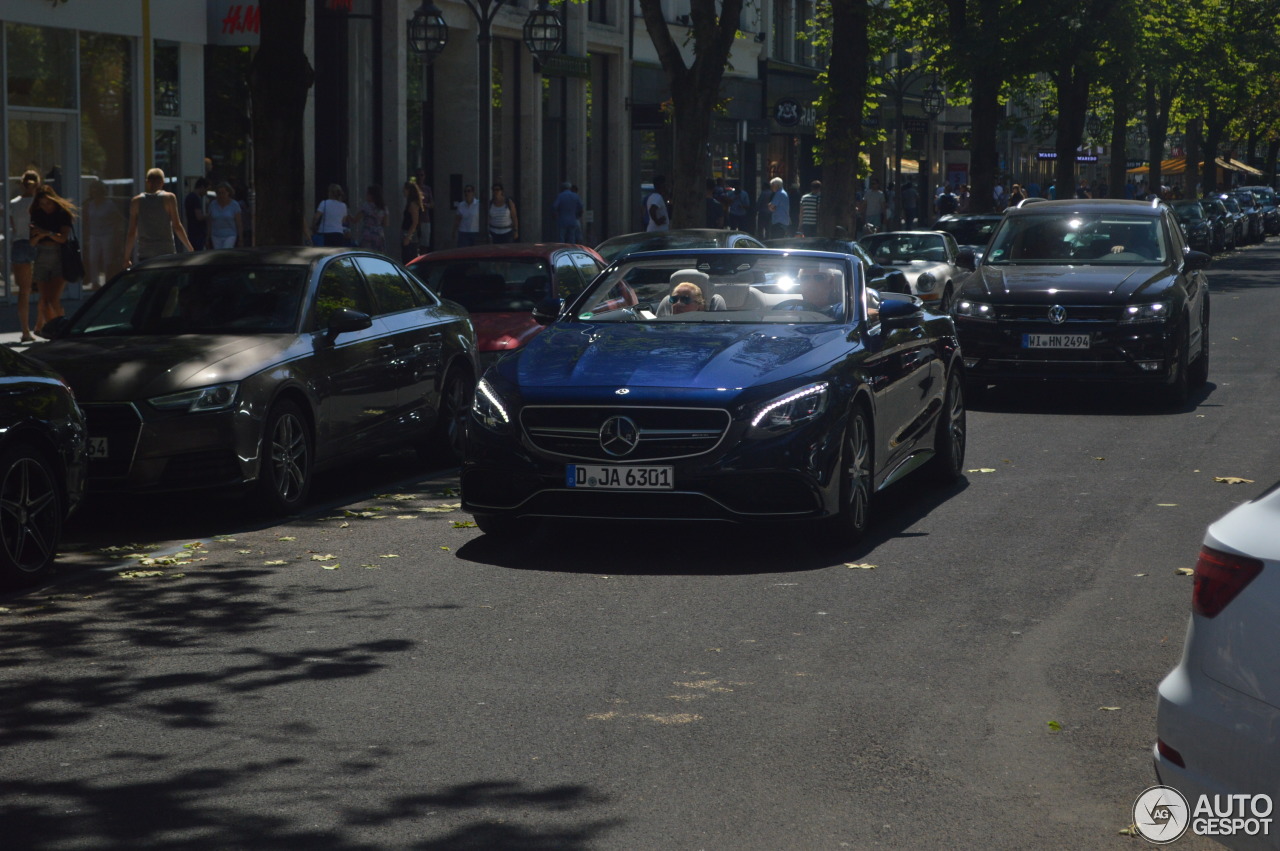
x: 96, y: 447
x: 1055, y: 341
x: 617, y: 477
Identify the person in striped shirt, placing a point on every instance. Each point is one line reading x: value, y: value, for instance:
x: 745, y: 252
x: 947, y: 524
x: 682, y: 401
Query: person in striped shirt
x: 809, y: 209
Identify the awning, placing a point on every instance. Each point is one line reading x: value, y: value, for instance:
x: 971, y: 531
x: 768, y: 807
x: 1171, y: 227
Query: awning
x: 1236, y: 165
x: 1177, y: 165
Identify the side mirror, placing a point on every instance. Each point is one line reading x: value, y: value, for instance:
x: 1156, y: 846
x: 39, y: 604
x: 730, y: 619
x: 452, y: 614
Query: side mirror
x: 548, y: 311
x: 898, y: 312
x: 967, y: 259
x: 344, y: 320
x: 1197, y: 260
x: 55, y: 328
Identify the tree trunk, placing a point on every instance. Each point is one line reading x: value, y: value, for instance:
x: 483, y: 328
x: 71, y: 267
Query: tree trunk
x: 1117, y: 172
x: 984, y: 153
x: 1158, y: 100
x: 1073, y: 102
x: 278, y: 82
x: 846, y: 94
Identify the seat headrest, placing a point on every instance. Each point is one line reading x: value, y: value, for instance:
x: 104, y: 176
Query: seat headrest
x: 690, y: 276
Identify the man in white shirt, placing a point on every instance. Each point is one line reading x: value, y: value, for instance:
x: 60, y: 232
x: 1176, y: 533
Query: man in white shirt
x: 466, y: 219
x: 656, y: 205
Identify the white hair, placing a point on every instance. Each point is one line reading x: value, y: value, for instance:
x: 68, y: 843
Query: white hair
x: 776, y: 182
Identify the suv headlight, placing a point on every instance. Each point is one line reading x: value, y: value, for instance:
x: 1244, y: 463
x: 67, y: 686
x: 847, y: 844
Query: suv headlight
x: 792, y: 409
x: 971, y: 309
x: 217, y: 397
x: 490, y: 409
x: 1156, y: 311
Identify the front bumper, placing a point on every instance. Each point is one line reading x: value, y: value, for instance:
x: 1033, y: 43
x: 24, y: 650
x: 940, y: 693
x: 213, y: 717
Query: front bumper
x: 1140, y: 354
x: 744, y: 479
x: 151, y: 451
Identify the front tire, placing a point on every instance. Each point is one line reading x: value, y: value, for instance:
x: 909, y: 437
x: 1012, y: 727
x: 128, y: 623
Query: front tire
x: 857, y: 480
x: 1178, y: 390
x: 31, y: 513
x: 951, y: 434
x: 448, y: 438
x: 1199, y: 369
x: 288, y: 459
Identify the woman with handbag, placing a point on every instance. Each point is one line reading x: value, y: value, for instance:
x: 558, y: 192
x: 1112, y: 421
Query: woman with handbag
x: 24, y: 253
x: 51, y: 219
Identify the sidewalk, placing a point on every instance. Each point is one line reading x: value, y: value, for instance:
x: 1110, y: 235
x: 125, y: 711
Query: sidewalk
x: 11, y: 329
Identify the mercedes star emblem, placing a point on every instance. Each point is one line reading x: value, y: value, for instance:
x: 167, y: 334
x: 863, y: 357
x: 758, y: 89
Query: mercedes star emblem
x: 1057, y: 314
x: 619, y: 436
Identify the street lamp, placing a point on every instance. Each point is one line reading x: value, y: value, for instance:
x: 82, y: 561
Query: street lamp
x: 933, y: 100
x: 428, y: 32
x: 1048, y: 124
x: 543, y: 33
x: 1093, y: 126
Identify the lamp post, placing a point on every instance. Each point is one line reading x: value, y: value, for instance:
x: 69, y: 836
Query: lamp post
x: 932, y: 102
x: 543, y: 34
x: 428, y: 32
x: 898, y: 81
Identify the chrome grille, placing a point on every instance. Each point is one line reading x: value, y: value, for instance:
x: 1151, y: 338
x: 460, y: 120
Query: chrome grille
x: 1076, y: 314
x: 120, y: 424
x: 664, y: 433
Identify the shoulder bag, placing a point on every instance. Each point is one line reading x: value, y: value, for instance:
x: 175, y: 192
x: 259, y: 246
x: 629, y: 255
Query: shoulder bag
x: 72, y: 261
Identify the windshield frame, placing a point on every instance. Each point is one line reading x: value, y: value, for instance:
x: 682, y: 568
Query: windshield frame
x: 630, y: 298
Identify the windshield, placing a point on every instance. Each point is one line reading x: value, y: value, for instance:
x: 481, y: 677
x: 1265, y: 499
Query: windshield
x: 509, y: 285
x: 1189, y: 211
x: 620, y: 245
x: 899, y: 249
x: 969, y: 231
x: 730, y: 287
x: 197, y: 300
x: 1079, y: 240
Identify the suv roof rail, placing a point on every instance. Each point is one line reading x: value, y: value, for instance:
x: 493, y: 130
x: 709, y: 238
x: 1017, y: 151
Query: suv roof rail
x: 1031, y: 200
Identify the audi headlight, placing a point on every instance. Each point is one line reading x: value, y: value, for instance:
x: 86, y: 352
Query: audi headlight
x: 973, y: 309
x: 926, y: 281
x: 489, y: 409
x: 217, y: 397
x: 1156, y: 311
x: 798, y: 406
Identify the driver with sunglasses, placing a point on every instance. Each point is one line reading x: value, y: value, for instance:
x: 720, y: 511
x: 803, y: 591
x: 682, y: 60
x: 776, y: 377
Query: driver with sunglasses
x: 821, y: 291
x: 688, y: 294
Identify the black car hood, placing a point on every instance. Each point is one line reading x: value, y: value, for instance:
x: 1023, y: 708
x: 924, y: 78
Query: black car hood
x: 1030, y: 284
x: 684, y: 355
x: 113, y: 369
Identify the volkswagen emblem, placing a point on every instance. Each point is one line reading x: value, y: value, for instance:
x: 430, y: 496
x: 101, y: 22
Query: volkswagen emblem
x: 1057, y: 314
x: 619, y: 436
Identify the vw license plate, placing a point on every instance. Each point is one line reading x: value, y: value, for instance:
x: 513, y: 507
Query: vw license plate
x: 617, y: 477
x: 1055, y: 341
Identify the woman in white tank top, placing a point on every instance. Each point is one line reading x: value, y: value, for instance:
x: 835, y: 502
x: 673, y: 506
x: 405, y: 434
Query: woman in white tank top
x: 504, y: 224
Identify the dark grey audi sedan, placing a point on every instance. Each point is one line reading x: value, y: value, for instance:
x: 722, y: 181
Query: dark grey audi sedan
x: 1084, y: 290
x: 260, y: 367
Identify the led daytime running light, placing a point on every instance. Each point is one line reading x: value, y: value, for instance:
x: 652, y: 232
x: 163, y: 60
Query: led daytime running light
x: 485, y: 390
x: 811, y: 390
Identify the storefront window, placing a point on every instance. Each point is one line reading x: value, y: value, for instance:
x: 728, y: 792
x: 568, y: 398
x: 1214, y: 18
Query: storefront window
x: 106, y: 122
x: 40, y: 65
x: 168, y: 93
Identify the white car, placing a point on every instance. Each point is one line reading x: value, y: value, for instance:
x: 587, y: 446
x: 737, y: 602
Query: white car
x: 1218, y: 721
x: 927, y: 258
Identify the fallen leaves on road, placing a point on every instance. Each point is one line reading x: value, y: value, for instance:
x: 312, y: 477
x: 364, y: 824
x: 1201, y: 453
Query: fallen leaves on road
x: 1109, y: 708
x: 1185, y: 571
x: 442, y: 508
x: 1166, y: 505
x: 1131, y: 830
x: 325, y: 557
x: 389, y: 555
x: 464, y: 524
x: 333, y: 566
x: 1139, y: 574
x: 851, y: 565
x: 287, y: 538
x: 982, y: 470
x: 1232, y: 480
x: 275, y: 563
x: 1055, y: 727
x: 139, y: 574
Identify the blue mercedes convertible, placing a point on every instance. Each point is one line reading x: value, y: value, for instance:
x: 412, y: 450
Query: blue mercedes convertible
x: 724, y: 384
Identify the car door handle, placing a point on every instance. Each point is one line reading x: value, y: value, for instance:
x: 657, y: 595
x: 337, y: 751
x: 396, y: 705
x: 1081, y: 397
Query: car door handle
x: 387, y: 347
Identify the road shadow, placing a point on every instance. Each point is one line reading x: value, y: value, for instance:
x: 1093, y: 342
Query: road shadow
x: 707, y: 548
x: 1054, y: 398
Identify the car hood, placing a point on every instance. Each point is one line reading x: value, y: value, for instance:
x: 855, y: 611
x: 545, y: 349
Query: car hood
x: 667, y: 355
x: 504, y: 332
x: 114, y: 369
x: 1065, y: 284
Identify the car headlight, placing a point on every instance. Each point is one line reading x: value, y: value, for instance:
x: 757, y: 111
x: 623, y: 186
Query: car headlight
x: 1156, y: 311
x: 973, y: 309
x: 489, y: 409
x: 798, y: 406
x: 926, y: 281
x: 217, y: 397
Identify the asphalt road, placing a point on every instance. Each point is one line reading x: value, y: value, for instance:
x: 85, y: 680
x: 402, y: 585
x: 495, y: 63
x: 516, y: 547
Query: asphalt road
x: 644, y: 687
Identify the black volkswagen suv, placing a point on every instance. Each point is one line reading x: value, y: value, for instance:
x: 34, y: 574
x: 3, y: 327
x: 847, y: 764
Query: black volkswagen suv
x: 1087, y: 290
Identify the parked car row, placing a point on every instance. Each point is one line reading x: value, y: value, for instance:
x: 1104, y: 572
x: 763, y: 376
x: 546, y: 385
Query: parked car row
x: 1228, y: 220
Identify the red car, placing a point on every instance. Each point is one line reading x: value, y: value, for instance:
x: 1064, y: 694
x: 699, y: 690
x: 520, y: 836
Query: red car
x: 499, y: 285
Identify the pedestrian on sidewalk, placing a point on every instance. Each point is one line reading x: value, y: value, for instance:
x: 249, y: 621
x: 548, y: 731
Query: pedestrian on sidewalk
x: 194, y: 207
x: 154, y: 222
x: 655, y: 205
x: 52, y: 217
x: 739, y: 205
x: 466, y: 218
x: 24, y: 253
x: 428, y: 205
x: 102, y: 227
x: 714, y: 209
x: 225, y: 219
x: 409, y: 221
x: 779, y: 210
x: 332, y: 218
x: 504, y: 222
x: 809, y: 203
x: 568, y: 210
x: 372, y: 220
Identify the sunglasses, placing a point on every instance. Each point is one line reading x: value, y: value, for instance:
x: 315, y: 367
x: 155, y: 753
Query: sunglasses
x: 682, y: 299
